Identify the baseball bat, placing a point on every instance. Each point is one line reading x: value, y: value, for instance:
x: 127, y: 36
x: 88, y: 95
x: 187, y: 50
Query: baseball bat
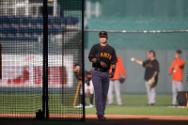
x: 77, y: 93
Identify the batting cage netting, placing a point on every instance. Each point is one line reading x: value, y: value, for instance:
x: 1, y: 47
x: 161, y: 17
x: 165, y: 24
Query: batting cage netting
x: 40, y: 41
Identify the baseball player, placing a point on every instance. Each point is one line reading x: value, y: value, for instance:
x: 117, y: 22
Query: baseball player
x: 176, y: 71
x: 89, y: 89
x: 78, y: 75
x: 115, y: 82
x: 102, y: 56
x: 151, y: 66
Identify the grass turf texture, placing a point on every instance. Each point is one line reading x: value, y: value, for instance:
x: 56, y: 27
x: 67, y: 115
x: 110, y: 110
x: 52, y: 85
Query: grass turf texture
x: 30, y: 103
x: 133, y: 105
x: 137, y: 105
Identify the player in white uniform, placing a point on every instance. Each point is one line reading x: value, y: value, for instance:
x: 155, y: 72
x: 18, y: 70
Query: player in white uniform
x: 89, y: 89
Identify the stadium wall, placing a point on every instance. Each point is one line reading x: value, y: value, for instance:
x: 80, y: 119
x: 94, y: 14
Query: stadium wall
x: 140, y: 15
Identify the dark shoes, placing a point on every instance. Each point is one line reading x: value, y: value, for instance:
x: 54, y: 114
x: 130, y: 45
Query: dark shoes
x: 174, y: 105
x: 152, y: 104
x: 101, y: 117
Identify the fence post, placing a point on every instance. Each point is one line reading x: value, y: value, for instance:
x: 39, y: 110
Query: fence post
x: 45, y: 60
x: 83, y: 62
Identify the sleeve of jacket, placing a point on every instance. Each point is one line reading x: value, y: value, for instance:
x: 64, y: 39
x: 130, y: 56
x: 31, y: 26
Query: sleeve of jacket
x: 114, y: 57
x: 157, y: 68
x: 171, y: 68
x: 92, y: 53
x: 122, y: 68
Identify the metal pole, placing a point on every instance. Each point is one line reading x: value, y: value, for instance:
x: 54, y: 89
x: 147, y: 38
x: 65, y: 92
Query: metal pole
x: 27, y: 8
x: 55, y: 8
x: 45, y: 60
x: 83, y: 64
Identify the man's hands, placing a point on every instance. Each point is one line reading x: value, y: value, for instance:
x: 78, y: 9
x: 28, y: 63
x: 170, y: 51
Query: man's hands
x: 103, y: 64
x: 111, y: 74
x: 136, y: 61
x: 151, y: 81
x: 94, y: 60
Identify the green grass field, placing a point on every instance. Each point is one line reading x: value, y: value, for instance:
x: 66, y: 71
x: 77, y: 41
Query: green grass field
x: 137, y: 105
x: 133, y: 105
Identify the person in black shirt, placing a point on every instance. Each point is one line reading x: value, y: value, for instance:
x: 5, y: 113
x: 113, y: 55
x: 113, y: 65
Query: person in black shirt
x: 102, y: 56
x: 151, y: 66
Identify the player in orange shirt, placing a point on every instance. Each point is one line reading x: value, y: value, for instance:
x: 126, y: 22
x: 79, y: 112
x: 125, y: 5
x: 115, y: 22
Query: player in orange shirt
x: 176, y: 71
x: 119, y: 76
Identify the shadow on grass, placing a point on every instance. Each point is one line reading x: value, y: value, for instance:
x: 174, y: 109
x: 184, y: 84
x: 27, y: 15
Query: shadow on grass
x: 145, y: 121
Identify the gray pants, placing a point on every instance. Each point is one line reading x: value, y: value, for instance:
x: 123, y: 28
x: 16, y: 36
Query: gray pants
x: 176, y: 87
x: 101, y: 85
x: 114, y: 87
x: 151, y: 93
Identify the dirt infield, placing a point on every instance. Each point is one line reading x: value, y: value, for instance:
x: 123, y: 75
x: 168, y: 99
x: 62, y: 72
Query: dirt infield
x: 112, y: 119
x: 108, y: 116
x: 149, y: 117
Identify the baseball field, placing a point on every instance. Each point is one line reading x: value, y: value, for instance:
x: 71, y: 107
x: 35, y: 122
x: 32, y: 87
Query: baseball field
x: 134, y: 111
x: 132, y: 105
x: 137, y: 105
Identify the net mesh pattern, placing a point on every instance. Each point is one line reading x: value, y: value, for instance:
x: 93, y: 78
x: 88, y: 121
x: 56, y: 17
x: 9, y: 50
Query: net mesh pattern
x: 21, y: 39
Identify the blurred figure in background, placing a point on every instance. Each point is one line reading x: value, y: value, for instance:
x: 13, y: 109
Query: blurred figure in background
x: 89, y: 89
x: 78, y: 75
x: 151, y: 66
x: 116, y: 81
x: 176, y: 71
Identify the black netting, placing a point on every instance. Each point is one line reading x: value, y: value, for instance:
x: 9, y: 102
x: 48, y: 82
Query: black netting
x: 21, y: 39
x: 65, y: 49
x: 21, y: 52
